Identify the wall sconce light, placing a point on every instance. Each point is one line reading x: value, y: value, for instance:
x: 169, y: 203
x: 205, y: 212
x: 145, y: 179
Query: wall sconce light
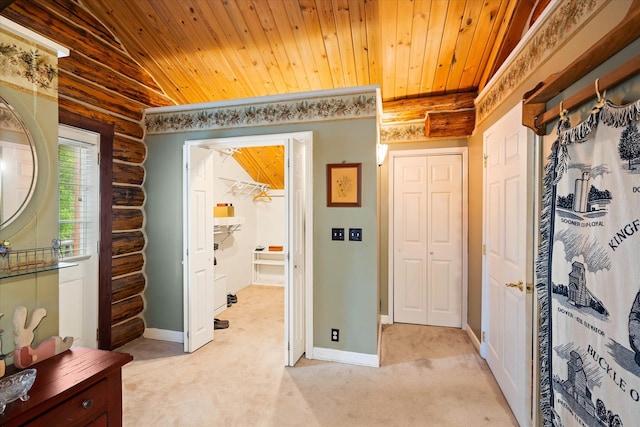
x: 381, y: 153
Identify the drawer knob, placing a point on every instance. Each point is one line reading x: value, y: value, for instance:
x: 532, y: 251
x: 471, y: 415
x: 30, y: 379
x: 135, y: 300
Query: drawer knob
x: 87, y: 404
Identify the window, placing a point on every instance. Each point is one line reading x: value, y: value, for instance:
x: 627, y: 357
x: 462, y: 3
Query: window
x: 77, y: 191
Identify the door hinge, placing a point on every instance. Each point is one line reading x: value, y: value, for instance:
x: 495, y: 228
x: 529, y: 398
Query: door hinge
x: 288, y: 346
x: 97, y: 334
x: 485, y: 160
x: 484, y: 337
x: 484, y: 249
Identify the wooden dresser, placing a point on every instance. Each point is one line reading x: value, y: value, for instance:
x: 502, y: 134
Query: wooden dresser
x: 79, y: 387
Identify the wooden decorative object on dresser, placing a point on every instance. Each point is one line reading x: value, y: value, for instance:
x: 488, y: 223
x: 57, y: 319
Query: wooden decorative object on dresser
x: 79, y: 387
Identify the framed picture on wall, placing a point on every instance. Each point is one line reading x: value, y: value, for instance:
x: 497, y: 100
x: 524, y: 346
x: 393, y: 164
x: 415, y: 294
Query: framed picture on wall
x: 344, y: 185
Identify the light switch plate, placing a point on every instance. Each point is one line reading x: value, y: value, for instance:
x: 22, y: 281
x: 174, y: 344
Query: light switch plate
x: 337, y: 234
x: 355, y: 234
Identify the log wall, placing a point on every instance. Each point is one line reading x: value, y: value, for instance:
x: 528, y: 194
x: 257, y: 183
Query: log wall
x: 99, y: 80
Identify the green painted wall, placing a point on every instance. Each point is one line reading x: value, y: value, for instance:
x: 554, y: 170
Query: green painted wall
x: 37, y: 225
x: 345, y: 279
x: 163, y: 253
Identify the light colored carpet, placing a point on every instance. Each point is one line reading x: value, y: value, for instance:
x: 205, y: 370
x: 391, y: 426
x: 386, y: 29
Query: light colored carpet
x: 429, y: 377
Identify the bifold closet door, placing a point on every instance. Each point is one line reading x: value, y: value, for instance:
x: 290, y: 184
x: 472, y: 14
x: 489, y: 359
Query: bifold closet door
x: 427, y: 244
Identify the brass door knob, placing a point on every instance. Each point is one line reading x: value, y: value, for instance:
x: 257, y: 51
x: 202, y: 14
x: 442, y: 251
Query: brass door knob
x: 519, y: 285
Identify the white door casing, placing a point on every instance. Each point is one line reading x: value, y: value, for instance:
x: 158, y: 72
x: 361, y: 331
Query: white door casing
x: 78, y: 284
x: 295, y: 184
x: 507, y: 305
x: 198, y: 256
x: 298, y: 302
x: 427, y: 237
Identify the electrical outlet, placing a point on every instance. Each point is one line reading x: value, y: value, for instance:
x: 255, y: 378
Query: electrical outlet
x: 337, y: 234
x: 335, y: 335
x: 355, y: 234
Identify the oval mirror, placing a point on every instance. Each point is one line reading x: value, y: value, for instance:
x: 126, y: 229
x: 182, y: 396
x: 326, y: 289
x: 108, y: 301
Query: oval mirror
x: 18, y: 165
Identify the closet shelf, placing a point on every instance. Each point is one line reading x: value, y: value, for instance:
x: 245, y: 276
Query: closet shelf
x: 227, y: 225
x: 244, y: 188
x: 267, y: 268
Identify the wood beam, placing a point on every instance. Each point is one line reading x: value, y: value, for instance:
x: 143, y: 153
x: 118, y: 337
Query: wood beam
x: 458, y: 123
x: 405, y: 110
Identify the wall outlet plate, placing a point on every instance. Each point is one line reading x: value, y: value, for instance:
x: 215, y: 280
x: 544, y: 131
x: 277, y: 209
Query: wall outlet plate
x: 337, y: 234
x: 335, y: 335
x: 355, y: 234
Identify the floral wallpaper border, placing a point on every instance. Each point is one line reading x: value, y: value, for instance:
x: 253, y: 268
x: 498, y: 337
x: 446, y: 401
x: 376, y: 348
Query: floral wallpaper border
x: 25, y: 65
x: 559, y: 27
x: 339, y: 107
x: 398, y: 133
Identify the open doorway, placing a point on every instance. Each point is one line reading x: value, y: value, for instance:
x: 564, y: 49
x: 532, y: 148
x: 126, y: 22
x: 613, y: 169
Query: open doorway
x: 242, y: 257
x: 79, y: 227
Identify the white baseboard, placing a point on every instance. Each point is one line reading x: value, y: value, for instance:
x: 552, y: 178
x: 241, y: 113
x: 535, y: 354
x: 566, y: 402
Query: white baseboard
x: 164, y: 335
x: 332, y: 355
x: 384, y: 319
x: 474, y: 339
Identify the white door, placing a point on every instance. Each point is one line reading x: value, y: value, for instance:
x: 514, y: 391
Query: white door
x: 428, y: 239
x: 507, y: 304
x: 199, y: 273
x: 79, y: 226
x: 294, y: 316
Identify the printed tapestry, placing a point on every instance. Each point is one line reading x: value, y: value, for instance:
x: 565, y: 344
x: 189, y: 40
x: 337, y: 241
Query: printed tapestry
x: 588, y: 272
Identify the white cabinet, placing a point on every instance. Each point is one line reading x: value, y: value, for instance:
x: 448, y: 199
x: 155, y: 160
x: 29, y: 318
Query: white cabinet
x: 267, y: 268
x: 219, y: 294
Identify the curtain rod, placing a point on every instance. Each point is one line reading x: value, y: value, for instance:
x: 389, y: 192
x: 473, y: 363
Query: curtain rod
x: 609, y: 80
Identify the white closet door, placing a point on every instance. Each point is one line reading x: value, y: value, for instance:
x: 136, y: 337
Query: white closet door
x: 296, y: 265
x: 410, y: 240
x: 427, y: 245
x: 199, y: 273
x: 444, y: 235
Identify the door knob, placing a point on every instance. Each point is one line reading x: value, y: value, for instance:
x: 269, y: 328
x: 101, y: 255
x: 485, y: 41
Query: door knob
x: 519, y: 285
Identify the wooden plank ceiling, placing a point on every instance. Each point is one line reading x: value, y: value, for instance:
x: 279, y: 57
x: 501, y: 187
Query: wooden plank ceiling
x: 424, y: 54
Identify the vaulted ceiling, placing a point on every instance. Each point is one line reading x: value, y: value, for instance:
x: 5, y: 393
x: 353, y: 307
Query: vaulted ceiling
x: 429, y: 57
x: 426, y: 55
x: 211, y: 50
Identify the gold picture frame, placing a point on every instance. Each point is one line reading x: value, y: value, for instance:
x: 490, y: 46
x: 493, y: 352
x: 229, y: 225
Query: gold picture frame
x: 344, y: 185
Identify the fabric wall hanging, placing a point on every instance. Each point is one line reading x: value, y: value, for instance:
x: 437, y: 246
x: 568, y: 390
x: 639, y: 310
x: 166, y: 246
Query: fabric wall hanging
x: 588, y: 272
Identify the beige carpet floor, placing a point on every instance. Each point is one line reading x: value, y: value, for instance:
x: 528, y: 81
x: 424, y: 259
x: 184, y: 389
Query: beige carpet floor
x: 429, y: 377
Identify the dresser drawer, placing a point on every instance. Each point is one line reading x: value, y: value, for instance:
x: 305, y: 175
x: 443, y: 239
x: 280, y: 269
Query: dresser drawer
x: 79, y: 410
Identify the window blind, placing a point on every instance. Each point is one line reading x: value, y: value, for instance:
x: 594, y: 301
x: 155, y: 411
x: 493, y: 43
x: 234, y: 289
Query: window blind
x: 77, y: 166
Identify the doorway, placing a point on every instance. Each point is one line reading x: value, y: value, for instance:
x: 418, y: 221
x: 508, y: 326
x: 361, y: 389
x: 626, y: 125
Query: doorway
x: 79, y: 227
x: 297, y: 247
x: 428, y: 237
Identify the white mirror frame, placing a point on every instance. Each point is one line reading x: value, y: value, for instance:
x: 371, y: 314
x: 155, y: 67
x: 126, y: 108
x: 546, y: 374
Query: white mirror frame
x: 11, y: 122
